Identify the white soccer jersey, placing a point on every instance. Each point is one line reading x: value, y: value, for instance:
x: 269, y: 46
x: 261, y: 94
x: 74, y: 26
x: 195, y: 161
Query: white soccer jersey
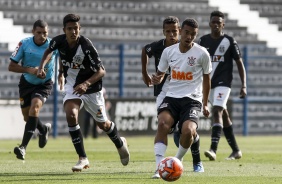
x: 187, y: 70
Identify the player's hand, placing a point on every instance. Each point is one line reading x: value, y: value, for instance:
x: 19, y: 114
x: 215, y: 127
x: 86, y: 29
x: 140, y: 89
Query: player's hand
x: 157, y: 79
x: 147, y: 79
x: 81, y: 88
x: 243, y: 92
x: 206, y: 111
x: 61, y: 81
x: 41, y: 74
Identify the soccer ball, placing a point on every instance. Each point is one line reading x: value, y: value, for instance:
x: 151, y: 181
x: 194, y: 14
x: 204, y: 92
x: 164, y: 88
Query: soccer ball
x: 170, y: 168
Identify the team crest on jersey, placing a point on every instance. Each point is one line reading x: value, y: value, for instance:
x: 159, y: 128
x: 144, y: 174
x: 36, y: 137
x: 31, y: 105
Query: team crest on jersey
x: 221, y: 49
x: 78, y: 59
x: 191, y: 61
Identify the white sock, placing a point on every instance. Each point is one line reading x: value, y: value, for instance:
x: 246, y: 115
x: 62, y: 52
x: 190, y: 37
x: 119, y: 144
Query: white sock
x: 181, y: 152
x: 160, y: 149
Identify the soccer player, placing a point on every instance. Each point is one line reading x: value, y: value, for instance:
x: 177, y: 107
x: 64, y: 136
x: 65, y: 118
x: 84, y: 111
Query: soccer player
x: 83, y: 71
x: 188, y: 90
x: 171, y: 30
x: 222, y: 49
x: 33, y: 91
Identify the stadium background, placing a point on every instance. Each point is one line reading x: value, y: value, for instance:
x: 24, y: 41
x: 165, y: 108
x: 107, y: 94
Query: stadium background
x: 119, y: 29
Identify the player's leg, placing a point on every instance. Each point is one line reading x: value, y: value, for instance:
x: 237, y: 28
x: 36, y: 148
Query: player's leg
x: 230, y: 137
x: 165, y: 122
x: 71, y: 108
x: 95, y: 105
x: 218, y: 98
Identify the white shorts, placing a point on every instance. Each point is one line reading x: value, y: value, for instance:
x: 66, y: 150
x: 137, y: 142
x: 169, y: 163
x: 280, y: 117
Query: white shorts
x: 162, y: 94
x: 219, y: 96
x: 94, y: 103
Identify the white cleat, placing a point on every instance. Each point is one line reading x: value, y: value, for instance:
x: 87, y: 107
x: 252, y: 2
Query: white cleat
x: 82, y: 163
x: 124, y: 153
x: 156, y: 175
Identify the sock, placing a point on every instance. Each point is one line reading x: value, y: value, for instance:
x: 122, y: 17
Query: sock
x: 160, y: 149
x: 29, y: 129
x: 215, y: 136
x: 176, y: 138
x: 40, y: 127
x: 195, y: 150
x: 230, y: 137
x: 113, y: 135
x: 181, y: 152
x: 77, y: 140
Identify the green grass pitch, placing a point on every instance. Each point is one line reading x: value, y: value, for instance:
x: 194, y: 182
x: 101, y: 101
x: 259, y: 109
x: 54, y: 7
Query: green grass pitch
x: 261, y: 162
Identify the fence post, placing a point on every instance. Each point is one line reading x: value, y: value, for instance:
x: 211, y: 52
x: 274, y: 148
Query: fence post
x: 121, y: 69
x: 245, y: 101
x: 55, y: 100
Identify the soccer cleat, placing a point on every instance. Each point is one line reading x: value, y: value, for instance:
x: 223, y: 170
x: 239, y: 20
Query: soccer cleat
x: 123, y: 152
x: 43, y: 138
x: 198, y: 167
x: 20, y: 152
x: 82, y: 163
x: 210, y: 154
x: 156, y: 175
x: 234, y: 155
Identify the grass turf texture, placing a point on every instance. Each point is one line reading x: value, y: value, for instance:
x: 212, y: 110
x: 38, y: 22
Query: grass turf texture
x: 261, y: 162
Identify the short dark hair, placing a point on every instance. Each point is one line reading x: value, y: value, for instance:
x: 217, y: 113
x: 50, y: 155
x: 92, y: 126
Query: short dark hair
x: 39, y: 23
x: 170, y: 20
x: 71, y: 18
x: 190, y: 22
x: 217, y: 14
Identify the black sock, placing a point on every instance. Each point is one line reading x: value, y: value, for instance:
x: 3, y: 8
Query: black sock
x: 29, y: 129
x: 230, y: 137
x: 40, y: 127
x: 77, y: 140
x: 215, y: 136
x: 113, y: 134
x: 195, y: 150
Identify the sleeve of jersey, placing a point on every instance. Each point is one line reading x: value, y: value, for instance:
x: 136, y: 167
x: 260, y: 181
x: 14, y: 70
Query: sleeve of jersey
x: 95, y: 61
x: 17, y: 55
x: 163, y: 64
x: 53, y: 44
x: 148, y: 50
x: 206, y: 62
x: 235, y: 50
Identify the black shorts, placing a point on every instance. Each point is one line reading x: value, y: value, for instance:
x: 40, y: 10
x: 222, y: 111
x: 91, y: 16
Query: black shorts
x: 181, y: 109
x: 29, y: 91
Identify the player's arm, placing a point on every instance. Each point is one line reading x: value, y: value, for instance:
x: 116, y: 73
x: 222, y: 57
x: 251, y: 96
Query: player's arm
x: 61, y: 78
x: 146, y: 77
x: 45, y: 59
x: 15, y: 67
x: 206, y: 93
x: 158, y: 77
x: 242, y: 74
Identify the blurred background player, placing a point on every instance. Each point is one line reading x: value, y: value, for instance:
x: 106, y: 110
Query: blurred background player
x: 222, y: 49
x: 189, y: 88
x: 32, y: 90
x: 83, y: 71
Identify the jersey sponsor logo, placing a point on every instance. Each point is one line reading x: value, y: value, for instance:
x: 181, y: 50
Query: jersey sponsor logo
x: 191, y: 61
x: 88, y: 52
x: 178, y: 75
x: 72, y: 65
x: 217, y: 58
x: 17, y: 49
